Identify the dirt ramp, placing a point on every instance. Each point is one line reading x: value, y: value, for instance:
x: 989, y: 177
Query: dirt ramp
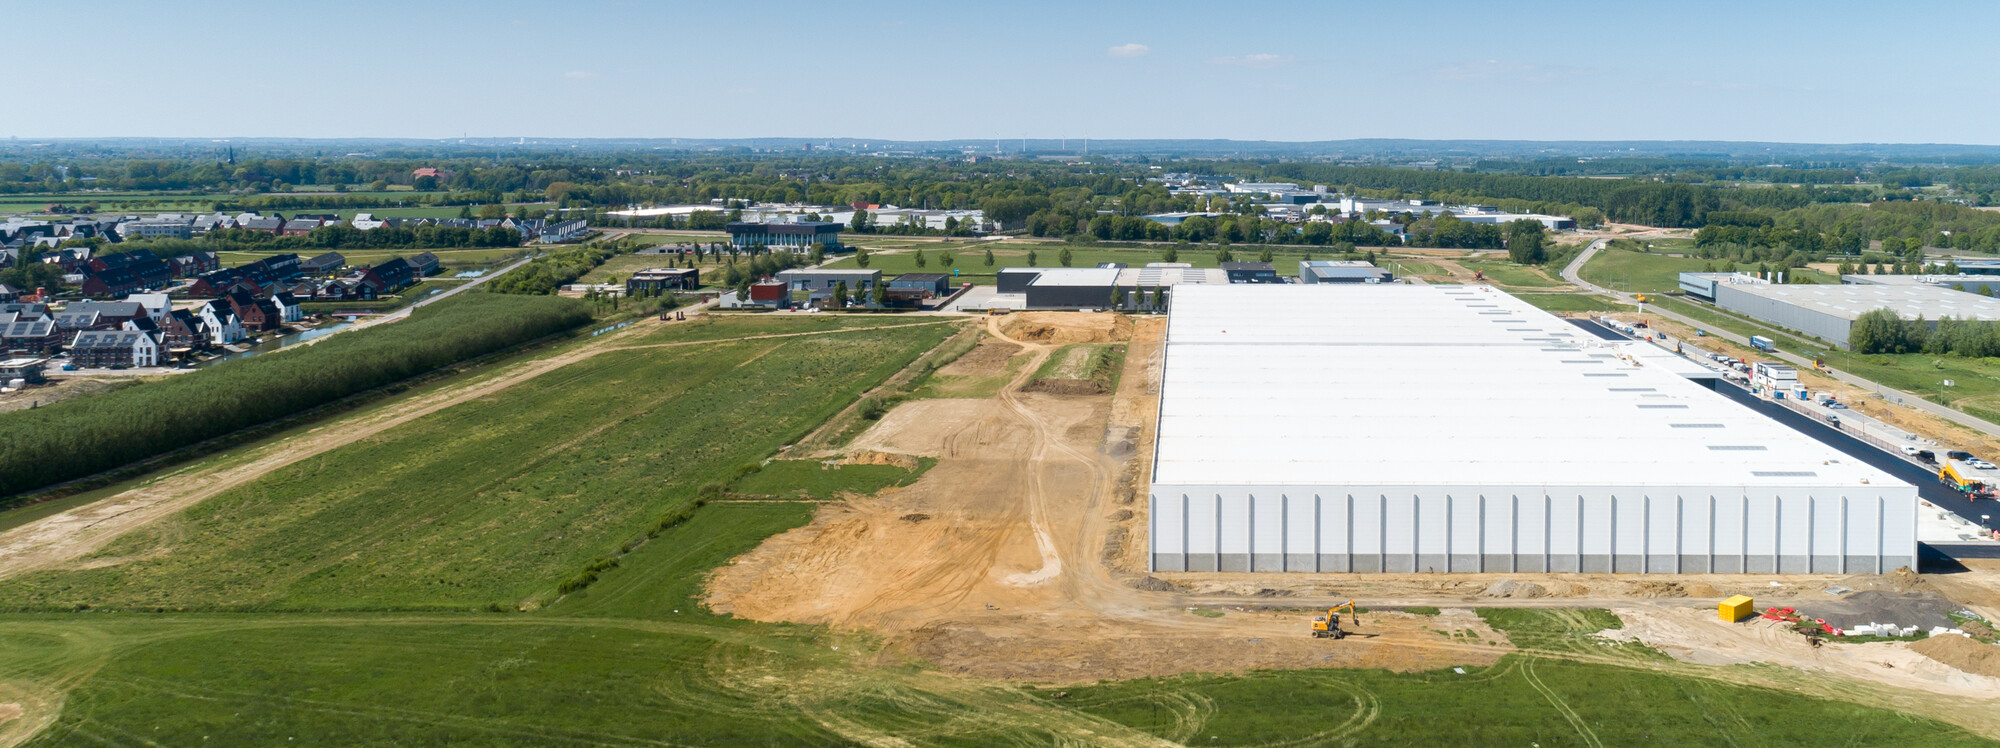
x: 1068, y: 328
x: 1962, y: 653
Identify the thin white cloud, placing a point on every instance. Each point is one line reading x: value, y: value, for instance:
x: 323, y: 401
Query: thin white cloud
x: 580, y: 75
x: 1263, y: 60
x: 1128, y: 50
x: 1508, y: 70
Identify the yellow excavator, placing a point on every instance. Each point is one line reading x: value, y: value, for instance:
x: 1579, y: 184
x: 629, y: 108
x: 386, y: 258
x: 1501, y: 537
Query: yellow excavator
x: 1329, y: 624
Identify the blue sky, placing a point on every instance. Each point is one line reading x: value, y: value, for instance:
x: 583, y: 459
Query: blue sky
x: 1302, y: 70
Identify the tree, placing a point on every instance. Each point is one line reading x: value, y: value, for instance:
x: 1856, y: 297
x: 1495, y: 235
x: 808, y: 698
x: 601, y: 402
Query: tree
x: 860, y: 222
x: 989, y: 258
x: 840, y: 295
x: 1264, y: 256
x: 492, y: 210
x: 1222, y: 254
x: 1031, y: 258
x: 818, y: 253
x: 1171, y: 255
x: 1525, y: 242
x: 945, y: 259
x: 1064, y: 257
x: 881, y: 294
x: 861, y: 256
x: 919, y: 259
x: 1118, y: 298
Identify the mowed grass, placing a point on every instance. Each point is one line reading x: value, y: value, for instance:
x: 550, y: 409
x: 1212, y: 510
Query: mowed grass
x: 1573, y: 302
x: 1510, y: 274
x: 493, y: 501
x: 1640, y: 272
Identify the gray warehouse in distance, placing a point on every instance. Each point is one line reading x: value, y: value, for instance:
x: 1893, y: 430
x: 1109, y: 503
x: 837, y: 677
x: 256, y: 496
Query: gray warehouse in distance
x: 1828, y: 312
x: 1343, y: 271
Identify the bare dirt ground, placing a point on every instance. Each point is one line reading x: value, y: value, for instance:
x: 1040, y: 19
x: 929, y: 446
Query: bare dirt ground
x: 56, y: 390
x: 1005, y: 575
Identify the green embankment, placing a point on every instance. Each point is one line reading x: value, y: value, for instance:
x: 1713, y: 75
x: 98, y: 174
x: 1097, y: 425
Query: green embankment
x: 82, y: 436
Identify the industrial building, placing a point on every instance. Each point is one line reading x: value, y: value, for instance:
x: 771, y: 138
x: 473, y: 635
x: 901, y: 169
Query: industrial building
x: 1702, y: 285
x: 1828, y: 311
x: 663, y: 279
x: 1402, y: 428
x: 798, y: 236
x: 1251, y: 272
x: 1967, y: 282
x: 824, y: 279
x: 1342, y: 271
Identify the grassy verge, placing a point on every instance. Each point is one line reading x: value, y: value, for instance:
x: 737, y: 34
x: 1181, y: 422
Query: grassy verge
x: 813, y: 480
x: 1573, y: 302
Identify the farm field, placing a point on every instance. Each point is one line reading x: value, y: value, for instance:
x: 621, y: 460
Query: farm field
x: 342, y: 532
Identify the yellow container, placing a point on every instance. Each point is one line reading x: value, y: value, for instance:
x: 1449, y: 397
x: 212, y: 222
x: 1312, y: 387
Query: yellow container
x: 1736, y: 608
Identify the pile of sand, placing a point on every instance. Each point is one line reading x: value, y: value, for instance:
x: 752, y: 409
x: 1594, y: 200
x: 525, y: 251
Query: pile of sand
x: 905, y: 462
x: 1068, y: 328
x: 1962, y: 653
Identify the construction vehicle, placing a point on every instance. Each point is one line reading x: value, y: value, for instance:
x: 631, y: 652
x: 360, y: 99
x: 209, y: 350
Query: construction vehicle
x: 1960, y: 477
x: 1479, y: 275
x: 1329, y: 624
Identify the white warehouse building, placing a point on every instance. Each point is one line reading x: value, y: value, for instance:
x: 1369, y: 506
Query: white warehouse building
x: 1393, y: 428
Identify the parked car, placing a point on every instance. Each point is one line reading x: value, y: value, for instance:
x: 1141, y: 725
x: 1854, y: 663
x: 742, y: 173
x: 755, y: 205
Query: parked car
x: 1980, y: 464
x: 1836, y: 405
x: 1910, y: 450
x: 1833, y: 420
x: 1958, y: 454
x: 1927, y: 456
x: 69, y: 367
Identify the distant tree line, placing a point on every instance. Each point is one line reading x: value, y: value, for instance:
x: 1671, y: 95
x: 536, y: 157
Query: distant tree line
x: 1883, y: 331
x: 85, y: 435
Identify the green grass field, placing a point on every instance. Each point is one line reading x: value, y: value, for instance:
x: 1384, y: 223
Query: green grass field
x: 1508, y: 274
x: 1573, y: 302
x: 490, y: 501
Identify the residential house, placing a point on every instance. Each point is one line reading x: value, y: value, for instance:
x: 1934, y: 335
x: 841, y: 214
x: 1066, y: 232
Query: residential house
x: 30, y: 337
x: 323, y: 265
x: 114, y: 347
x: 563, y: 231
x: 156, y: 304
x: 9, y: 293
x: 425, y: 265
x: 255, y: 315
x: 300, y: 226
x: 274, y: 225
x: 110, y: 313
x: 287, y: 306
x: 151, y: 270
x: 111, y: 283
x: 196, y: 264
x: 220, y: 323
x: 366, y: 222
x: 181, y: 330
x: 69, y: 322
x: 389, y: 276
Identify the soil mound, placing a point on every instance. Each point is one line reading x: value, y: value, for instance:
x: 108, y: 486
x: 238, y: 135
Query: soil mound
x: 1512, y: 589
x: 1153, y: 584
x: 905, y: 462
x: 1701, y: 589
x: 1962, y: 653
x: 1067, y: 387
x: 1068, y: 328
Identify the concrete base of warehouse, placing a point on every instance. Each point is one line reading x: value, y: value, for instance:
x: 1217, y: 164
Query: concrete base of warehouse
x: 1406, y: 563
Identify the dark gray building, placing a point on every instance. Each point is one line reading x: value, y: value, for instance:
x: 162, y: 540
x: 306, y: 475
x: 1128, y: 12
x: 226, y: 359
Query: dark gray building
x: 1251, y: 272
x: 1068, y: 288
x: 821, y: 279
x: 935, y: 284
x: 1342, y: 271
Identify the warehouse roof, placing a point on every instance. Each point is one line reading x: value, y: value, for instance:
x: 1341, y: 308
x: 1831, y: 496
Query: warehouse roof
x: 1075, y: 277
x: 1371, y: 385
x: 1151, y: 276
x: 1851, y: 301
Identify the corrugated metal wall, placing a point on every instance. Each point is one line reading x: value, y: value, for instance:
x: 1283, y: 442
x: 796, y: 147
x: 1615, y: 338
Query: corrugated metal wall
x: 1668, y: 530
x: 1783, y: 314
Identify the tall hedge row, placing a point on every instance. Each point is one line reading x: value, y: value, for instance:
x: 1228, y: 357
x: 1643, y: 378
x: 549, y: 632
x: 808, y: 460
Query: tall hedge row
x: 79, y: 437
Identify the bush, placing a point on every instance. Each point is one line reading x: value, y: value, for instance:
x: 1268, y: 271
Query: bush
x: 79, y: 437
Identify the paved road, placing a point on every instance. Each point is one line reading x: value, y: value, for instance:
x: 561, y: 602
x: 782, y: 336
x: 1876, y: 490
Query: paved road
x: 1893, y: 395
x: 1923, y: 477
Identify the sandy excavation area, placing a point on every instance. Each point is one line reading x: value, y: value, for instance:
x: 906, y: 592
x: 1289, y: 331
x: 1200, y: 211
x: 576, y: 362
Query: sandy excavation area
x: 1021, y: 556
